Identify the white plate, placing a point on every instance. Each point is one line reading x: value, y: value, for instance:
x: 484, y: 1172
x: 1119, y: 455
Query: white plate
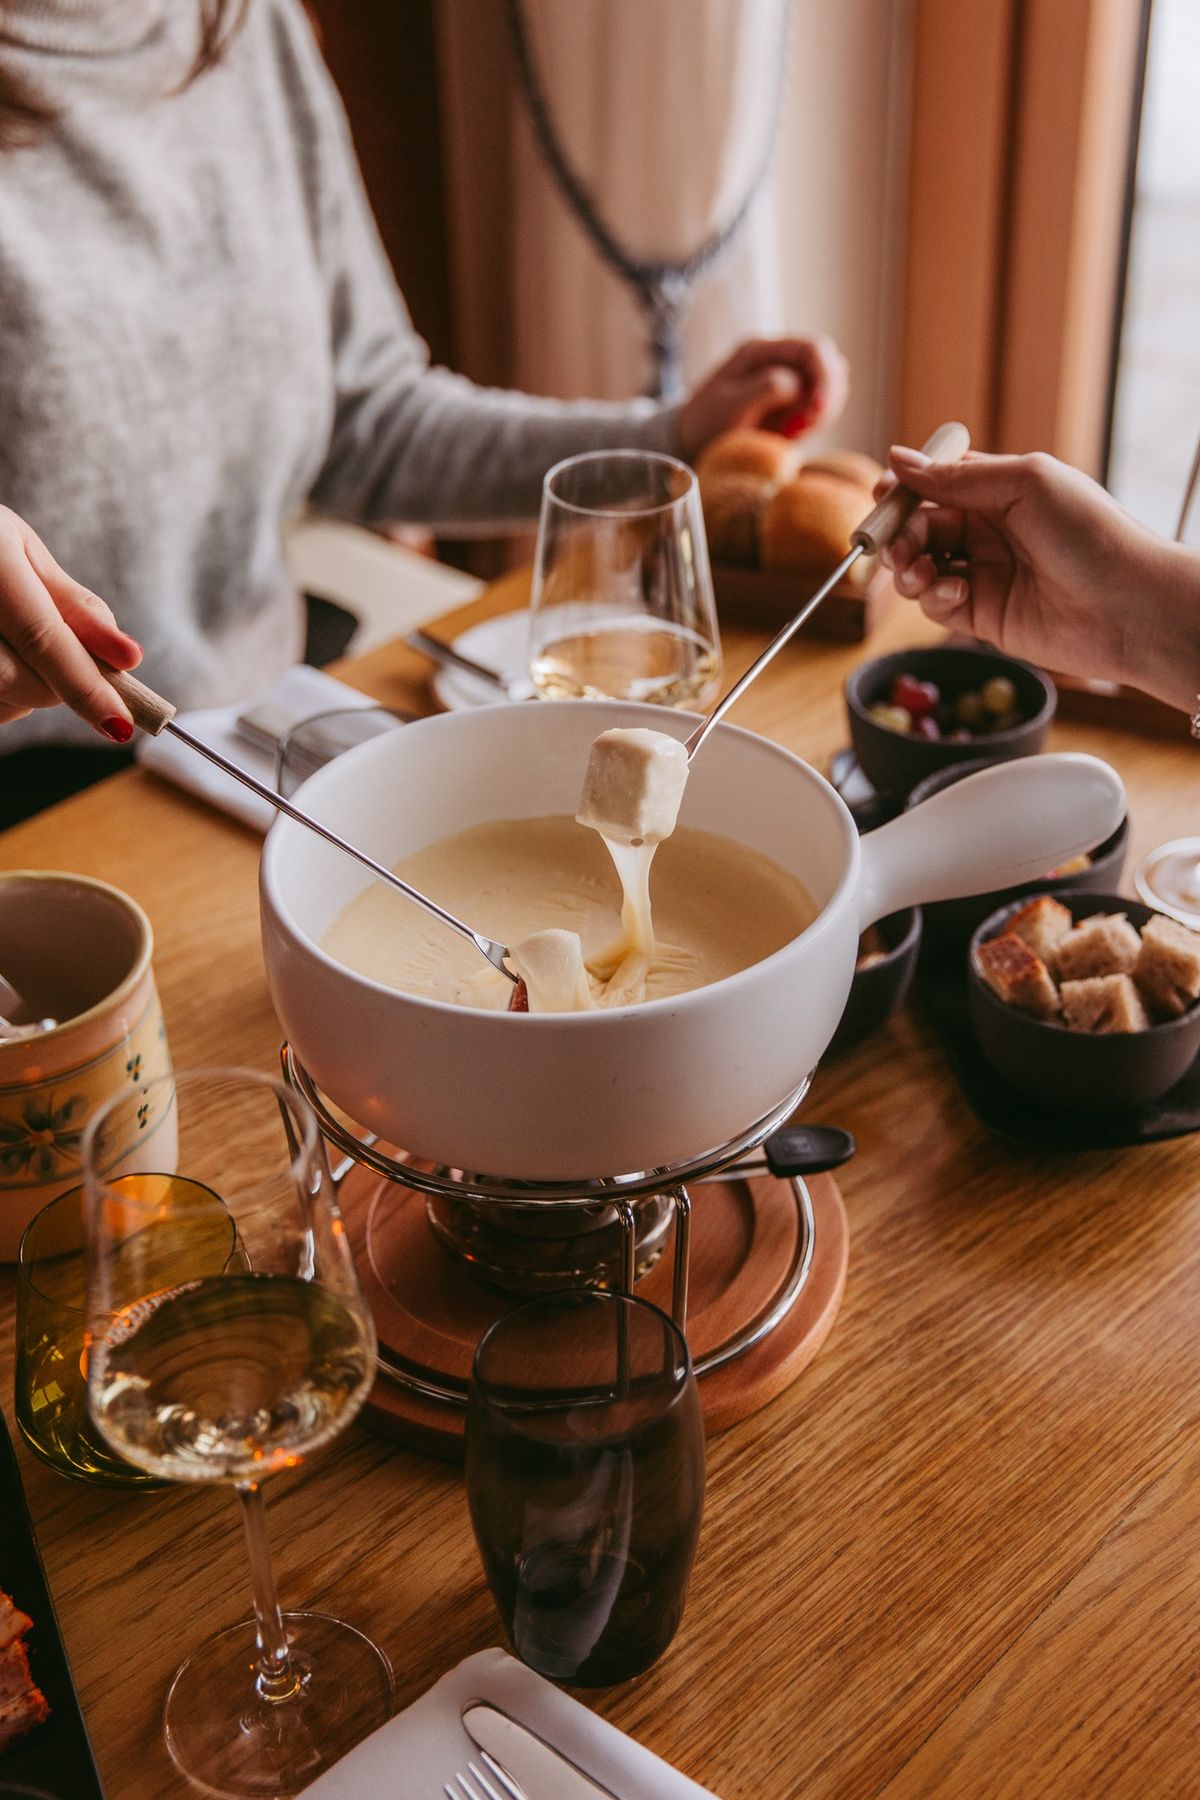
x: 502, y: 644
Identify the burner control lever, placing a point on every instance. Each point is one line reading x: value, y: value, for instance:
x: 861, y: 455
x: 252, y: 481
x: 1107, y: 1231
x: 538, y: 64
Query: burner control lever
x: 807, y: 1150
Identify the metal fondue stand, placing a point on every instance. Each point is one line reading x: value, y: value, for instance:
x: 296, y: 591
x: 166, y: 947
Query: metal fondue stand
x: 618, y: 1196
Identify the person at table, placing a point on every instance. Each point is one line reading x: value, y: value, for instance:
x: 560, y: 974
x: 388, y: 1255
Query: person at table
x: 202, y: 334
x: 1034, y: 557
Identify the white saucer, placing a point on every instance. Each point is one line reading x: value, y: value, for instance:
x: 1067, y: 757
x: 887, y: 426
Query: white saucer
x: 502, y: 644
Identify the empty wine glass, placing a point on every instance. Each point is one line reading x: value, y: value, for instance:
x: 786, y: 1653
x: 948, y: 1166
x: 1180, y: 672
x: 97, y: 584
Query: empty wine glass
x: 232, y: 1377
x: 622, y: 600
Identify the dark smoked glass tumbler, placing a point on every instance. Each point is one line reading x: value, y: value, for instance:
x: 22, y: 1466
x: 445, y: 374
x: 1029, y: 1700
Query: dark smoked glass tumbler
x: 585, y: 1476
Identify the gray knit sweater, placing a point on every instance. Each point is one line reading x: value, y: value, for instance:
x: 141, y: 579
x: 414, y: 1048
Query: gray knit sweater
x: 199, y: 332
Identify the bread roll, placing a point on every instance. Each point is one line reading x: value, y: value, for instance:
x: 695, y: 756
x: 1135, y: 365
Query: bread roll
x: 850, y: 465
x: 733, y: 505
x: 749, y: 452
x: 807, y: 523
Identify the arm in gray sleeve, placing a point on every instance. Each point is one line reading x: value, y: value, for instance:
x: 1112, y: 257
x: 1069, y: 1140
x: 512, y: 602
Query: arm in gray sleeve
x: 418, y: 443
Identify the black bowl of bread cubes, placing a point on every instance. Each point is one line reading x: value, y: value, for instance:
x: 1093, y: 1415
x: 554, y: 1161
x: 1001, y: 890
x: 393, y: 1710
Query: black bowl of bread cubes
x: 1086, y: 1001
x: 949, y: 924
x: 916, y: 712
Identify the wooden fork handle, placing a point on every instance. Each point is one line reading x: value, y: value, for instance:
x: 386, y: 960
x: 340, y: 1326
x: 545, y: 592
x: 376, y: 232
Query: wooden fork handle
x: 948, y: 444
x: 147, y: 709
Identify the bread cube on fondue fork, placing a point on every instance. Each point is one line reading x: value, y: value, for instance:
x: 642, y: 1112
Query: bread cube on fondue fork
x: 633, y: 786
x: 632, y: 790
x: 550, y: 963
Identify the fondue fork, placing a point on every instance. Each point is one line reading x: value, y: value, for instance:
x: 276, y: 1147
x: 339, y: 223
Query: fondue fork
x: 155, y: 715
x: 948, y: 444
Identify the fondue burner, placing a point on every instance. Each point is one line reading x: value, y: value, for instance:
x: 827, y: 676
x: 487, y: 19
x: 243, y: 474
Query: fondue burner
x: 759, y: 1245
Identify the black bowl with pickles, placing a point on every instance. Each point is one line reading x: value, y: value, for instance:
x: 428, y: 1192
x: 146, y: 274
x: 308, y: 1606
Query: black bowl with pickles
x: 919, y: 711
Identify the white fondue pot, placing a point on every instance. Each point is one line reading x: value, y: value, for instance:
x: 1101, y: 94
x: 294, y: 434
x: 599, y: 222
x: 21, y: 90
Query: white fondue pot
x: 563, y: 1096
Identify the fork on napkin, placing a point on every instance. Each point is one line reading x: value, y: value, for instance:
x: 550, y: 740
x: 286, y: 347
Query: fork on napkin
x: 415, y: 1753
x: 298, y: 694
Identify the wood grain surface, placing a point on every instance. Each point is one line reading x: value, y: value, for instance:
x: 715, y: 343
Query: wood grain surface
x: 959, y: 1557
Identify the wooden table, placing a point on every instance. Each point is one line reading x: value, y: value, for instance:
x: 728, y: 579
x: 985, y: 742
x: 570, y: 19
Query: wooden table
x: 961, y: 1556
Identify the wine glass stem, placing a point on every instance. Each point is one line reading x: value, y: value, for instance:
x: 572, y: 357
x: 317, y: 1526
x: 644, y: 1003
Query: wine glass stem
x: 276, y: 1678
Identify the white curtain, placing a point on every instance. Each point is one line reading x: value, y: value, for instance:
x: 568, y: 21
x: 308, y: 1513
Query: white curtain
x: 662, y: 106
x: 662, y: 109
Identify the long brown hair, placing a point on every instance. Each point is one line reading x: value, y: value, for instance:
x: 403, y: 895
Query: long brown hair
x: 23, y: 113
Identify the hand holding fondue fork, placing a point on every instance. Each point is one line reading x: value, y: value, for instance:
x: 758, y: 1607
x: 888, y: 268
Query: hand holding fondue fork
x: 154, y: 715
x: 635, y: 779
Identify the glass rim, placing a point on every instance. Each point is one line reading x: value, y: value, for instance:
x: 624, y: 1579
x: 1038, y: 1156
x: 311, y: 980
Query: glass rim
x: 563, y: 1298
x: 142, y: 957
x: 399, y: 713
x: 629, y: 454
x: 27, y: 1263
x: 299, y: 1110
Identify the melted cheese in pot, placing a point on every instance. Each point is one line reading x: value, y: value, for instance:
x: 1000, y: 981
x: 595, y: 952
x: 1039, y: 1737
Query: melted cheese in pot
x: 719, y: 907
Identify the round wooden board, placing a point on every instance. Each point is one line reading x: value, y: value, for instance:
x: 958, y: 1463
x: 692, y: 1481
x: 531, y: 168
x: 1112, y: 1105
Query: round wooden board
x: 431, y: 1312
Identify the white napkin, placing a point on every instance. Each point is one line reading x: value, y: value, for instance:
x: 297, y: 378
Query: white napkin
x: 297, y: 695
x: 414, y: 1754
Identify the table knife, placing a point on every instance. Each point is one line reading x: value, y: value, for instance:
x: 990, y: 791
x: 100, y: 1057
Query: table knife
x: 545, y: 1773
x: 515, y: 687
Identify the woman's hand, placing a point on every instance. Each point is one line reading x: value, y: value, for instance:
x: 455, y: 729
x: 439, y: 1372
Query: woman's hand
x: 48, y: 626
x: 780, y: 384
x: 1036, y: 558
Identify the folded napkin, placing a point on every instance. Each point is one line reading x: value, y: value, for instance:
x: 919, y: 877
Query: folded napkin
x: 295, y: 696
x: 414, y: 1754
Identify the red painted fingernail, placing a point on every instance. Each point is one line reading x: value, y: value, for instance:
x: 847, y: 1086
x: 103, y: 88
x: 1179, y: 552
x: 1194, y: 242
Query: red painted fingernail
x: 120, y: 730
x: 787, y: 421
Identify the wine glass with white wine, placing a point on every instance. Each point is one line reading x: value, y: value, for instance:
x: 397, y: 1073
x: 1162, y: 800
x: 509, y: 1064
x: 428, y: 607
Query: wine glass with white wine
x: 231, y: 1377
x: 622, y: 601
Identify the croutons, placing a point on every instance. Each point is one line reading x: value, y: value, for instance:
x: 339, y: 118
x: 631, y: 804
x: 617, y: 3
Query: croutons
x: 1111, y: 978
x: 1168, y: 966
x: 1103, y: 1003
x: 1017, y: 976
x: 1104, y: 944
x: 1043, y: 925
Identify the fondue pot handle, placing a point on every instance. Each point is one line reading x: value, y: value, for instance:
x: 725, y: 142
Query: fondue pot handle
x: 1006, y: 825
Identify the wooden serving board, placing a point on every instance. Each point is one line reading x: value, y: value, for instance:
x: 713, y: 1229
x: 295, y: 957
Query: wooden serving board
x: 770, y: 597
x: 1108, y: 703
x: 431, y: 1312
